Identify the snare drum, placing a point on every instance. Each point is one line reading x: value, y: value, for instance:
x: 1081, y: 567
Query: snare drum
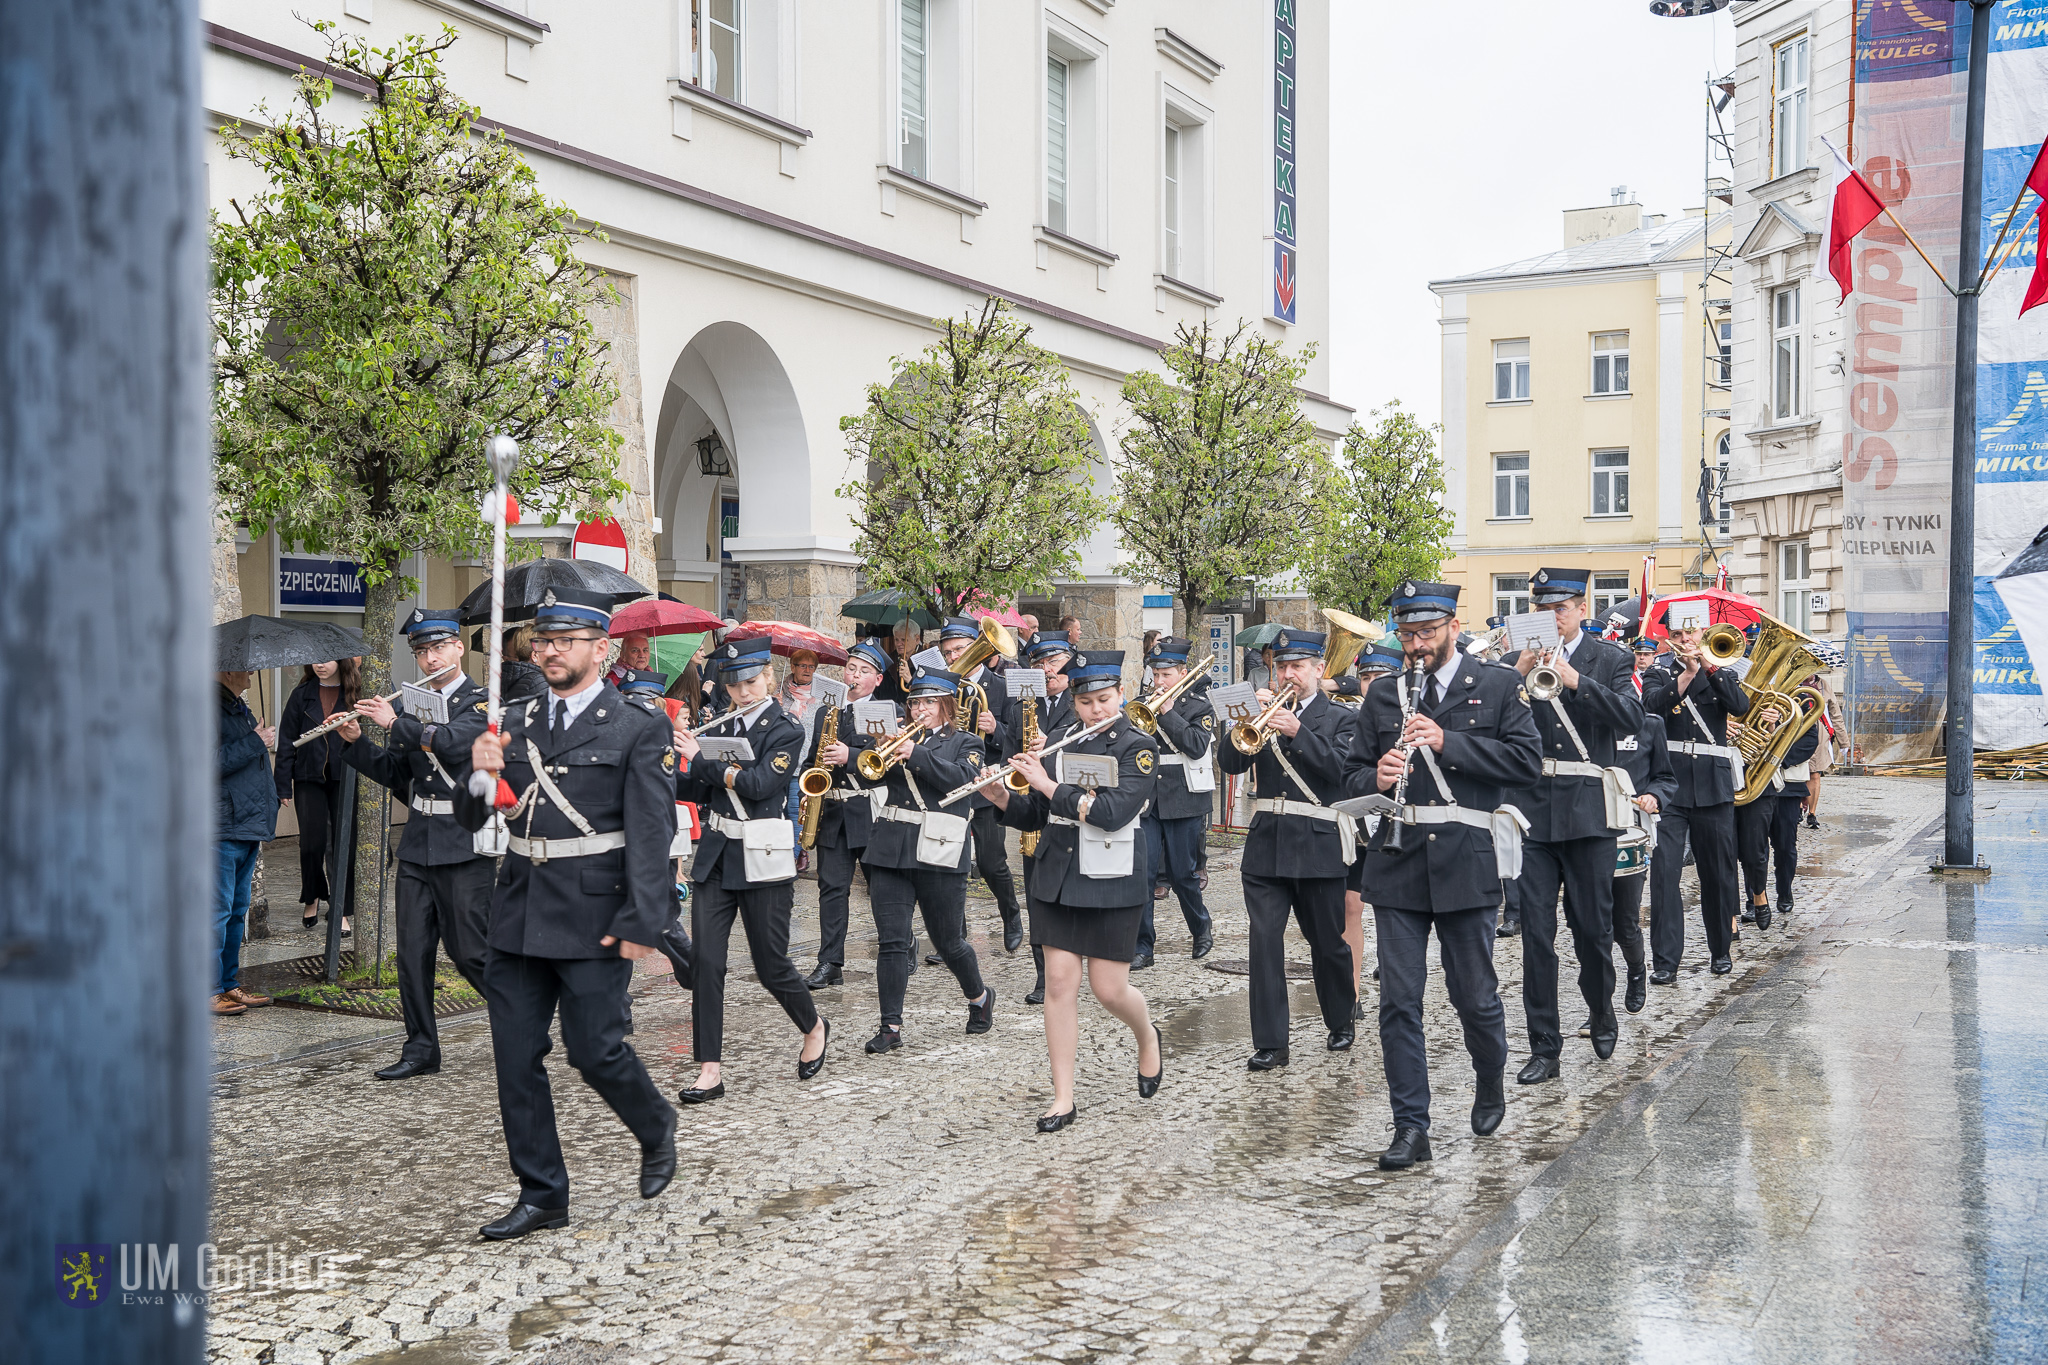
x: 1632, y: 853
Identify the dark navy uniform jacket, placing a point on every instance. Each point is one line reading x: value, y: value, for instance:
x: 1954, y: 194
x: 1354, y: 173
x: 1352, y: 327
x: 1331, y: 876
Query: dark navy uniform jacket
x: 762, y: 787
x: 842, y: 822
x: 1491, y: 748
x: 1604, y: 707
x: 991, y: 744
x: 1648, y: 760
x: 1296, y: 845
x: 939, y: 763
x: 1703, y: 779
x: 1188, y: 729
x: 403, y: 766
x: 1055, y: 873
x: 1053, y: 713
x: 616, y: 766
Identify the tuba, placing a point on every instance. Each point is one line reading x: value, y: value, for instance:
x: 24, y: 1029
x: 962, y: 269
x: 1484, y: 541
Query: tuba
x: 996, y: 638
x: 1348, y: 635
x: 1777, y: 664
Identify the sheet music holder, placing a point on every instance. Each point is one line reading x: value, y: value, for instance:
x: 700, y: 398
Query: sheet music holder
x: 724, y: 749
x: 1025, y: 682
x: 424, y: 704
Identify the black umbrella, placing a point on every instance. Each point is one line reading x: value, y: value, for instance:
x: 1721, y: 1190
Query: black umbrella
x: 1625, y: 618
x: 526, y: 584
x: 259, y: 642
x: 885, y: 607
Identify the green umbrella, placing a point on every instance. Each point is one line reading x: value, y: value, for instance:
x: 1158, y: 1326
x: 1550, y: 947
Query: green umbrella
x: 887, y: 606
x: 1258, y: 637
x: 672, y: 653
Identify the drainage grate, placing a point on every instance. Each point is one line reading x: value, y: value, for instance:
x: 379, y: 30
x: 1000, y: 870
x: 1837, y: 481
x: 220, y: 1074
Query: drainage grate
x: 452, y: 995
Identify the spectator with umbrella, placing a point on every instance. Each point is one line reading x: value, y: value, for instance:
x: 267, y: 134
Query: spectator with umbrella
x: 312, y: 773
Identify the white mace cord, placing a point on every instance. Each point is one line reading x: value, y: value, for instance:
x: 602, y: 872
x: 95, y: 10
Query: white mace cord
x: 502, y: 453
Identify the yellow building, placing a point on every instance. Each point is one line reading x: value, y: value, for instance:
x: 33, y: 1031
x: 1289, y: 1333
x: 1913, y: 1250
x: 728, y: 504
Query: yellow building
x: 1573, y: 413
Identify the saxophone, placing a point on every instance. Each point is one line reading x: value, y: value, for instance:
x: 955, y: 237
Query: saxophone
x: 1027, y: 842
x: 816, y: 781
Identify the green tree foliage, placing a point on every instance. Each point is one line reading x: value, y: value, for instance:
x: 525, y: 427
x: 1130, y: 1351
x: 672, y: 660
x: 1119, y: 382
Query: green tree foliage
x: 970, y: 468
x: 1380, y: 514
x: 1220, y: 466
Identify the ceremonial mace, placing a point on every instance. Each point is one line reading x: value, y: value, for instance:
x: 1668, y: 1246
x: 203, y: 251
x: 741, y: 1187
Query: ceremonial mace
x: 502, y: 454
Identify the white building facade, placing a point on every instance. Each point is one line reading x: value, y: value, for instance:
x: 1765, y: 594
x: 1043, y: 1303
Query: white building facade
x: 793, y: 189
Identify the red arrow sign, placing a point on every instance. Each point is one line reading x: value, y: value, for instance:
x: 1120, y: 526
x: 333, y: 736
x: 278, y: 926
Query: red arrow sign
x: 1283, y: 280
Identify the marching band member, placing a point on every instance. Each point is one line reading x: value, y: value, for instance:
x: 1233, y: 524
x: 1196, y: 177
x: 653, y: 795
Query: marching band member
x: 584, y: 889
x: 746, y: 863
x: 1088, y: 887
x: 916, y: 858
x: 1472, y: 738
x: 1174, y: 821
x: 1050, y: 651
x: 1647, y: 757
x: 991, y: 857
x: 1570, y: 842
x: 1695, y: 697
x: 1299, y: 852
x: 1754, y: 827
x: 1374, y: 662
x: 648, y: 689
x: 844, y: 821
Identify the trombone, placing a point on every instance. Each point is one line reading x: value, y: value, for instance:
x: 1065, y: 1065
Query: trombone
x: 1145, y: 714
x: 1348, y: 635
x: 874, y: 764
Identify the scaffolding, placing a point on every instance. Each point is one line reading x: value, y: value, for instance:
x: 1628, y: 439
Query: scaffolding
x: 1717, y: 288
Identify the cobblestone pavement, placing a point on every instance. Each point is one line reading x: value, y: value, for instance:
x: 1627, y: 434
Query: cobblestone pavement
x: 903, y: 1207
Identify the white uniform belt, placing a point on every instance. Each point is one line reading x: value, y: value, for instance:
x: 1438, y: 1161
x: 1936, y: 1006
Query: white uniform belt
x: 1173, y: 760
x: 1062, y: 820
x: 736, y: 829
x: 1553, y: 767
x: 427, y: 805
x: 846, y: 794
x: 1687, y: 746
x: 900, y: 815
x: 1445, y: 815
x: 547, y: 850
x: 1278, y: 806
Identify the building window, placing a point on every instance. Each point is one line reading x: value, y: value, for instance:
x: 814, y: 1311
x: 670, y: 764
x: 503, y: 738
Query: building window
x: 1056, y: 125
x: 1510, y: 486
x: 1727, y: 512
x: 1510, y: 594
x: 1610, y: 362
x: 1788, y: 121
x: 1184, y: 198
x: 1169, y: 201
x: 1610, y: 483
x: 1787, y: 354
x: 1510, y: 370
x: 1725, y: 333
x: 1610, y: 590
x: 914, y: 88
x: 715, y: 47
x: 1795, y: 563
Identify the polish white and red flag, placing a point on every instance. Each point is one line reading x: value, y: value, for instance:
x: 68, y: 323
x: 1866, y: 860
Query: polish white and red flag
x: 1856, y: 207
x: 2037, y: 181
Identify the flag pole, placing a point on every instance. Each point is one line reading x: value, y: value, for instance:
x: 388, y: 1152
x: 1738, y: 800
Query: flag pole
x: 2011, y: 248
x: 2005, y: 227
x: 1917, y: 247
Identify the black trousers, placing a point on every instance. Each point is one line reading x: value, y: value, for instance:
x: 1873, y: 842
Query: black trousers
x: 1585, y: 869
x: 317, y: 806
x: 1318, y: 907
x: 992, y: 860
x: 895, y: 893
x: 446, y: 904
x: 1711, y: 830
x: 523, y: 993
x: 1172, y: 846
x: 1785, y: 817
x: 1628, y: 917
x: 836, y: 863
x: 1753, y: 843
x: 763, y: 912
x: 1511, y: 901
x: 1465, y: 947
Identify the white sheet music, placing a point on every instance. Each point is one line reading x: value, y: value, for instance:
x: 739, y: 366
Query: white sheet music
x: 874, y: 718
x: 724, y: 749
x: 1532, y: 630
x: 1088, y: 770
x: 1025, y: 682
x: 1239, y: 701
x: 424, y: 704
x: 929, y: 658
x: 827, y: 692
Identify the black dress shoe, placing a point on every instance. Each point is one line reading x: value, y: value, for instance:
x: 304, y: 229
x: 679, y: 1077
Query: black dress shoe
x: 402, y: 1070
x: 658, y: 1163
x: 1052, y: 1123
x: 1357, y: 1010
x: 1586, y: 1029
x: 1409, y: 1146
x: 1763, y: 917
x: 1013, y: 933
x: 1489, y: 1104
x: 1148, y: 1086
x: 1158, y: 893
x: 1341, y: 1041
x: 1509, y: 928
x: 1661, y: 978
x: 934, y: 960
x: 981, y: 1017
x: 1633, y: 1001
x: 692, y: 1095
x: 1606, y: 1032
x: 1784, y: 905
x: 826, y: 974
x: 886, y: 1039
x: 1141, y: 962
x: 1722, y: 966
x: 1537, y: 1070
x: 1268, y: 1058
x: 1749, y: 917
x: 523, y: 1219
x: 1036, y: 995
x: 805, y: 1070
x: 1203, y: 945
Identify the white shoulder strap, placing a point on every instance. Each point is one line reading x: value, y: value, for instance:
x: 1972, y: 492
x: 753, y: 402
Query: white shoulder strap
x: 547, y: 784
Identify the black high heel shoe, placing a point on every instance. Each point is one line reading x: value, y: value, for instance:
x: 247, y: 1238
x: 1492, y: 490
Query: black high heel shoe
x: 308, y: 920
x: 805, y: 1070
x: 1052, y: 1123
x: 1148, y: 1086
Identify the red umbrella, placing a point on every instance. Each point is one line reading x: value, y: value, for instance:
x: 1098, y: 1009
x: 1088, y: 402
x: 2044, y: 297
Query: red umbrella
x: 659, y: 617
x: 789, y: 637
x: 1730, y: 607
x: 980, y: 604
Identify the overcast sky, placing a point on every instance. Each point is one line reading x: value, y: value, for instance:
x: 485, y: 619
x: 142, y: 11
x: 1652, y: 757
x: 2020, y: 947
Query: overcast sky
x: 1462, y: 130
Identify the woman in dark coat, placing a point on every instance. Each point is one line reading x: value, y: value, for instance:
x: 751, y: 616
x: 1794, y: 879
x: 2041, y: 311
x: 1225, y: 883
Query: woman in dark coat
x: 309, y: 778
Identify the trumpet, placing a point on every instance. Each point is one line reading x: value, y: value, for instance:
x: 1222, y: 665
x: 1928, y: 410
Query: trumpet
x: 1250, y: 736
x: 1348, y: 636
x: 816, y: 781
x: 1145, y: 714
x: 874, y: 764
x: 341, y: 718
x: 1544, y: 680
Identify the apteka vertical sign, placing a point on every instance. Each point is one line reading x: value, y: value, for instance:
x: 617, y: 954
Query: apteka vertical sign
x: 1286, y: 276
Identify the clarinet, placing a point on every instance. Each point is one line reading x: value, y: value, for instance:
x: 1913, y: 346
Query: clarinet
x: 1392, y: 843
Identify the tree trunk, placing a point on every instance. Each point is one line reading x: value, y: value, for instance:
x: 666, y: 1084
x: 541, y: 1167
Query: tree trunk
x: 380, y: 612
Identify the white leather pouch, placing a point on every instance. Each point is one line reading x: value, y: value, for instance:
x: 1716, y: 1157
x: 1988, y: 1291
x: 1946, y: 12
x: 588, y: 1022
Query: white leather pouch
x: 941, y: 839
x: 1618, y: 790
x: 1108, y: 853
x: 494, y: 838
x: 1200, y: 772
x: 1509, y: 825
x: 770, y: 847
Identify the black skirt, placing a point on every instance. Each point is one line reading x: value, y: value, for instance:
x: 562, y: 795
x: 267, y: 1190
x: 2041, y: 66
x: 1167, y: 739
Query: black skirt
x: 1111, y: 935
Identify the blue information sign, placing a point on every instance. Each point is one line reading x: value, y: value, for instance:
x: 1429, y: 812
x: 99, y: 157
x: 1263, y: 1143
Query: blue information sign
x: 334, y: 584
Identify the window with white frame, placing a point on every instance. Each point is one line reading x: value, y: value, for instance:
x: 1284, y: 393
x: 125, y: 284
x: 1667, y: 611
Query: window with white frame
x: 1510, y: 593
x: 1184, y: 213
x: 1788, y: 109
x: 1074, y: 137
x: 928, y: 80
x: 1788, y: 354
x: 1058, y: 127
x: 914, y: 87
x: 716, y: 51
x: 1170, y: 201
x: 1610, y: 483
x: 1724, y: 332
x: 1510, y: 370
x: 1610, y: 590
x: 1726, y: 510
x: 1610, y: 362
x: 1510, y: 486
x: 1795, y: 582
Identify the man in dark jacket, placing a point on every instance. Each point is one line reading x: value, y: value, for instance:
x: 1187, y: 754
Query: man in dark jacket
x: 1181, y: 796
x: 244, y: 819
x: 444, y: 885
x: 1647, y: 758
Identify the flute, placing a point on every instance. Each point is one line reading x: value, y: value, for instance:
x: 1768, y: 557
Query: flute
x: 996, y: 774
x: 341, y: 718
